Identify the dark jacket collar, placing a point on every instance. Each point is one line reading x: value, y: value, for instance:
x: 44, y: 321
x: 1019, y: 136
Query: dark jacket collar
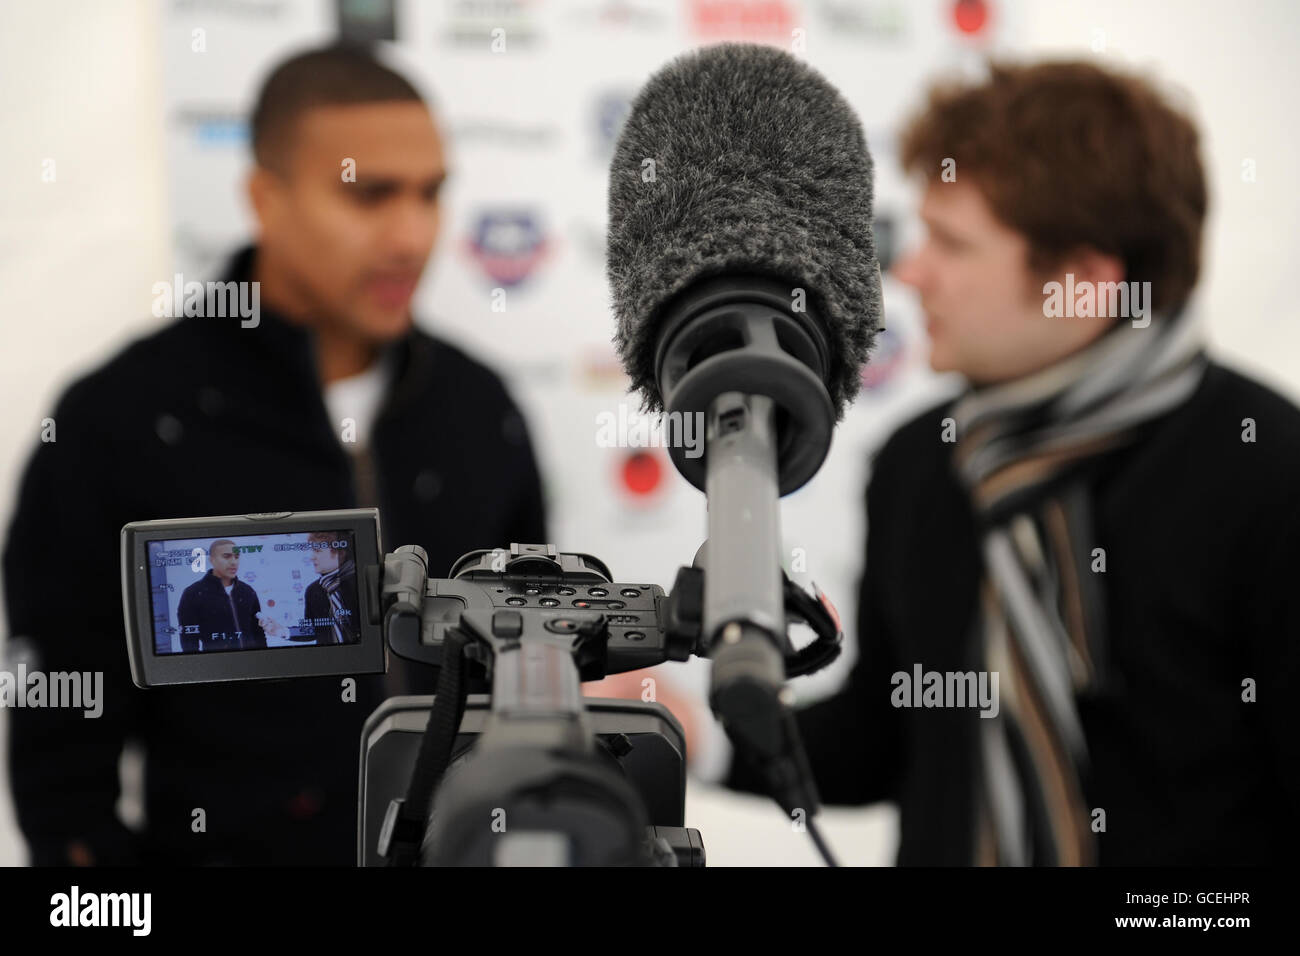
x: 410, y: 358
x: 213, y: 583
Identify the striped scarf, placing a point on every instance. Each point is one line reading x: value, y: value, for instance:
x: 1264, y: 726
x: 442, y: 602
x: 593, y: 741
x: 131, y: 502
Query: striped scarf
x: 341, y: 621
x: 1023, y: 453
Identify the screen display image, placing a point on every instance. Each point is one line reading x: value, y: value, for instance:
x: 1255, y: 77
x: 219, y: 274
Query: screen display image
x: 253, y: 592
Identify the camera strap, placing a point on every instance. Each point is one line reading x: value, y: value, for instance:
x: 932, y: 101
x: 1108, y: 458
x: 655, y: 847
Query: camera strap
x: 406, y: 820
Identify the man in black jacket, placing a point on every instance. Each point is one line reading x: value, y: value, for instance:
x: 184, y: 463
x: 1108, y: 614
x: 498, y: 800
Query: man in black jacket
x: 1105, y: 520
x: 440, y: 448
x: 219, y: 612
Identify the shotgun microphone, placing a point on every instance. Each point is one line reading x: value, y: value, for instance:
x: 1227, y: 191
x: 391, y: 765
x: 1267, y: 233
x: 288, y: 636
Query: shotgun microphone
x: 746, y: 291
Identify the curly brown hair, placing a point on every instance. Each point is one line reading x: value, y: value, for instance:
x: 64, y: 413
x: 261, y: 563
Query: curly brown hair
x: 1074, y: 156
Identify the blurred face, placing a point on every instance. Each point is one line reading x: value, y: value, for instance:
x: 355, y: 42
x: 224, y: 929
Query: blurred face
x: 324, y: 560
x: 225, y: 561
x: 983, y: 305
x: 349, y: 254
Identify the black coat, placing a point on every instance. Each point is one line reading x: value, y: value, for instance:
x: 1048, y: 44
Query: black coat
x: 207, y: 418
x: 1202, y: 538
x: 208, y: 623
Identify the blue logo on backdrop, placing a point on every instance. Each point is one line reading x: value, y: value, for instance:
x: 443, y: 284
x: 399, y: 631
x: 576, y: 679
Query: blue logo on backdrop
x: 507, y: 245
x: 611, y: 110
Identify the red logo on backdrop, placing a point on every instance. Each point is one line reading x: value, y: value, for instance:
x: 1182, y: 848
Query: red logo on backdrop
x: 642, y: 473
x: 742, y: 19
x: 970, y: 16
x: 885, y: 362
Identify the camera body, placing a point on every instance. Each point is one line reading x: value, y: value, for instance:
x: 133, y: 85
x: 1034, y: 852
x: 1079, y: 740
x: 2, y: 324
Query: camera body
x: 641, y: 738
x: 534, y: 774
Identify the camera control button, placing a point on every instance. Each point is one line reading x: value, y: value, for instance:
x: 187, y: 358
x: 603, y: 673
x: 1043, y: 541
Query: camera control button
x: 507, y: 624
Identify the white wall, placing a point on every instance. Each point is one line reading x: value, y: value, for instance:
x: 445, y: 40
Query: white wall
x: 79, y: 84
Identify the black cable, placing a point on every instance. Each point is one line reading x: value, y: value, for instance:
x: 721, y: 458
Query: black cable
x: 436, y: 748
x: 822, y: 846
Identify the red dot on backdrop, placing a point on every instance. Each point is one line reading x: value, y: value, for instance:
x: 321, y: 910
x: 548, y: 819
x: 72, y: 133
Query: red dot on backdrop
x: 270, y: 602
x: 641, y: 473
x: 970, y: 15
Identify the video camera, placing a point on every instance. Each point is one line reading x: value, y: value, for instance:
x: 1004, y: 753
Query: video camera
x: 526, y: 771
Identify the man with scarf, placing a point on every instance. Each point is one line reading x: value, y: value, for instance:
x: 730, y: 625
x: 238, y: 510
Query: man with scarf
x: 333, y: 596
x: 1105, y: 518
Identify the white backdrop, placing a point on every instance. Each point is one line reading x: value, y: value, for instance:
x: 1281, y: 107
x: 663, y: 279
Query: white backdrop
x: 146, y: 133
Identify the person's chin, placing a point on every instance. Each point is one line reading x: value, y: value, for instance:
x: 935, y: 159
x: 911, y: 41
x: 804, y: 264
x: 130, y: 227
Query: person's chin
x: 939, y: 359
x: 386, y: 325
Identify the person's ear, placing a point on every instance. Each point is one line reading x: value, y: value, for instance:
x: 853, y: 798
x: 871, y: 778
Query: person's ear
x: 264, y: 189
x: 1090, y: 265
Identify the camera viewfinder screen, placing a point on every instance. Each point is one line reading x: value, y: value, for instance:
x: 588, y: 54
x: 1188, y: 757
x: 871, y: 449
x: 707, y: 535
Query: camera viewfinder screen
x: 253, y: 592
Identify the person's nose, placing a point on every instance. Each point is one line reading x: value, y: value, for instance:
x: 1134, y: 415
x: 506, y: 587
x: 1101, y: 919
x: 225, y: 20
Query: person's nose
x: 909, y: 268
x: 412, y: 231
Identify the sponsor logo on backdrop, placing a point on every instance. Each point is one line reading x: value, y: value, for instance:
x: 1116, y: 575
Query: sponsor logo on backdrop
x: 971, y: 16
x: 508, y: 245
x: 608, y: 113
x: 486, y: 25
x: 600, y: 369
x: 541, y: 371
x: 886, y: 361
x: 213, y: 127
x: 260, y: 9
x: 641, y: 477
x: 505, y: 134
x: 771, y: 20
x: 862, y: 19
x: 366, y: 21
x: 619, y: 15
